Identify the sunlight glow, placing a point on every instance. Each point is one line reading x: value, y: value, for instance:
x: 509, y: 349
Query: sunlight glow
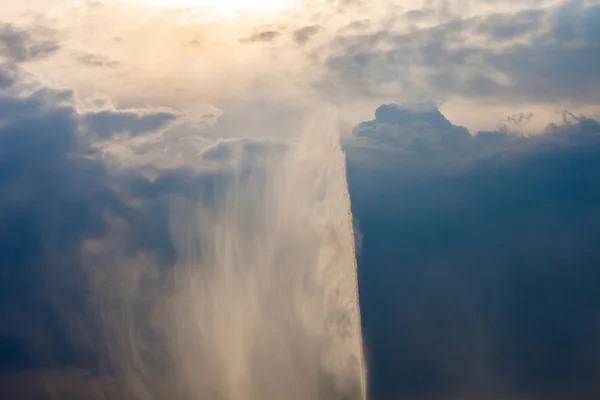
x: 233, y: 7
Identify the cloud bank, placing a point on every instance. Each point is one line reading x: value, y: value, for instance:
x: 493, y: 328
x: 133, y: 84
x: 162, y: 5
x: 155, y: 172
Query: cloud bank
x: 479, y: 254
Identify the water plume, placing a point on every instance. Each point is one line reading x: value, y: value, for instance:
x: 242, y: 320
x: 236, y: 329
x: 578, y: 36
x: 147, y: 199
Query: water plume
x: 262, y: 303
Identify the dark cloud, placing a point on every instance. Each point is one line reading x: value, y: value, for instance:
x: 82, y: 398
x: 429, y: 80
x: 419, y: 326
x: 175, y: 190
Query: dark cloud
x: 108, y: 123
x: 53, y: 194
x: 478, y: 270
x: 406, y: 134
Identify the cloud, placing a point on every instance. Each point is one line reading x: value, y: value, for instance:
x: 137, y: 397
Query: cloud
x: 54, y: 194
x: 95, y: 60
x: 479, y: 251
x: 537, y: 54
x: 304, y: 34
x: 264, y: 36
x: 534, y: 55
x: 19, y: 46
x: 411, y: 134
x: 509, y: 27
x: 107, y: 123
x: 61, y: 201
x: 73, y: 213
x: 531, y: 55
x: 478, y: 255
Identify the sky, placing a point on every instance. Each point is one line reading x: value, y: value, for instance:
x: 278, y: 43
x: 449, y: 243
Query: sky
x: 472, y: 135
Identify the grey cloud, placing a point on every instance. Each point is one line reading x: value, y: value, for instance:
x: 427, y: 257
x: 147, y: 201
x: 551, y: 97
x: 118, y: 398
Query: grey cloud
x: 506, y: 27
x: 20, y: 46
x: 264, y: 36
x: 554, y: 69
x: 358, y: 25
x: 576, y: 20
x: 95, y: 60
x: 303, y: 35
x: 532, y: 55
x: 108, y: 123
x: 419, y: 15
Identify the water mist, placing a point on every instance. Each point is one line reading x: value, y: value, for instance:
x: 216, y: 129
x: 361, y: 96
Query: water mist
x: 262, y: 303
